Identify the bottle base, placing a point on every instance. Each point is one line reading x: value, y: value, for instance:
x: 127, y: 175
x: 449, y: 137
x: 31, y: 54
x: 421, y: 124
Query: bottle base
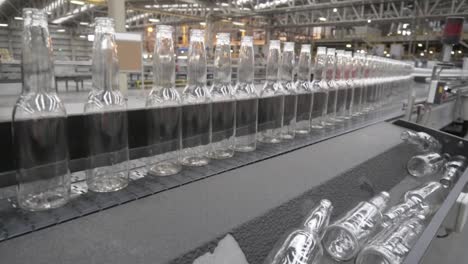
x: 270, y: 140
x: 288, y: 136
x: 193, y: 161
x: 43, y: 201
x: 107, y: 183
x: 304, y: 131
x: 164, y: 168
x: 245, y: 148
x: 222, y: 154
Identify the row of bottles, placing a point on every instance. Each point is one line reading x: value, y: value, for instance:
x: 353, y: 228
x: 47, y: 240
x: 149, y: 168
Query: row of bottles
x: 187, y: 128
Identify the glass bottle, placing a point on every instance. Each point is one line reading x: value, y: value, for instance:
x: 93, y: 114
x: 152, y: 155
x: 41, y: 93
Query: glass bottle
x: 426, y: 164
x: 319, y: 89
x: 357, y: 77
x: 365, y: 80
x: 303, y: 245
x: 286, y: 78
x: 39, y: 123
x: 271, y: 102
x: 223, y: 104
x: 304, y: 91
x: 453, y: 169
x: 196, y: 108
x: 163, y: 103
x: 347, y: 235
x: 349, y: 82
x: 393, y: 245
x: 426, y: 198
x: 247, y: 99
x: 340, y: 85
x: 330, y: 72
x: 423, y: 141
x: 106, y: 115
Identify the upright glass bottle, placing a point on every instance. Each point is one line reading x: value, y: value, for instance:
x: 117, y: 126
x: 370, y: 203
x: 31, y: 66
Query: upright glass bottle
x: 286, y: 78
x: 330, y: 72
x: 39, y: 123
x: 106, y: 119
x: 357, y: 76
x: 319, y: 89
x: 344, y: 238
x: 223, y: 104
x: 196, y: 108
x: 303, y: 245
x: 247, y: 99
x: 163, y: 103
x: 271, y: 102
x: 304, y: 91
x: 349, y: 84
x: 341, y: 86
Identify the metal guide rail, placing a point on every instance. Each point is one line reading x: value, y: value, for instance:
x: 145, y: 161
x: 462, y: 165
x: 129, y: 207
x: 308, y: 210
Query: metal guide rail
x: 15, y: 222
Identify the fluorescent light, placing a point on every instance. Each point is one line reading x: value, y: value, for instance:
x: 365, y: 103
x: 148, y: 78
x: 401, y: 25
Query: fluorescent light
x: 72, y: 14
x: 453, y: 52
x: 203, y: 23
x: 224, y: 4
x: 242, y: 30
x: 430, y: 52
x: 18, y: 18
x: 408, y: 32
x: 405, y: 26
x: 422, y: 54
x: 90, y: 37
x: 126, y: 26
x: 388, y: 55
x: 182, y: 57
x: 3, y: 25
x: 154, y: 20
x: 368, y: 20
x: 322, y: 19
x: 238, y: 23
x: 420, y: 44
x: 76, y: 2
x: 459, y: 52
x: 82, y: 36
x: 61, y: 30
x: 84, y: 23
x: 399, y: 32
x: 335, y: 10
x: 148, y: 6
x: 349, y: 45
x: 384, y: 52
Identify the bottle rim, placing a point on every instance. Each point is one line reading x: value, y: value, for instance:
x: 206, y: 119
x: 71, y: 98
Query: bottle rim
x: 164, y: 28
x: 34, y: 14
x: 100, y: 21
x: 223, y: 38
x: 197, y: 35
x: 321, y: 50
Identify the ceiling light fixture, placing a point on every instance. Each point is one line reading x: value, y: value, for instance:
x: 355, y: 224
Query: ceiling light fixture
x: 84, y: 23
x: 3, y: 25
x: 335, y: 10
x: 238, y: 23
x: 322, y: 19
x: 18, y: 18
x: 154, y: 20
x: 61, y: 30
x: 76, y: 2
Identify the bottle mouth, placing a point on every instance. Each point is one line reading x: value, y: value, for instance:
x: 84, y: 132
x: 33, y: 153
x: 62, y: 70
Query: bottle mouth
x: 104, y: 25
x: 33, y: 16
x: 197, y: 35
x: 164, y: 28
x: 305, y: 48
x: 321, y: 50
x: 289, y: 46
x: 374, y: 255
x: 274, y: 44
x: 223, y: 38
x: 340, y: 243
x: 247, y: 40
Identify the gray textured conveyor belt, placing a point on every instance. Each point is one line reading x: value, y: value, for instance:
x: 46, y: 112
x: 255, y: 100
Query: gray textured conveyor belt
x: 162, y: 227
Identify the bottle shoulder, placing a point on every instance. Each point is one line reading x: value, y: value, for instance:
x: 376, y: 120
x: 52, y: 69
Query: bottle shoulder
x: 105, y: 100
x: 163, y: 97
x: 38, y: 105
x: 193, y: 94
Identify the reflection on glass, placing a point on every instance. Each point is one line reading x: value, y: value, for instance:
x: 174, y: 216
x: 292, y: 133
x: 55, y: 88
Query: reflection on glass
x: 39, y: 123
x: 342, y: 88
x: 286, y: 79
x: 303, y: 245
x: 319, y: 88
x: 163, y: 103
x: 453, y: 169
x: 304, y: 91
x: 344, y: 238
x: 106, y: 116
x: 426, y: 164
x: 423, y: 141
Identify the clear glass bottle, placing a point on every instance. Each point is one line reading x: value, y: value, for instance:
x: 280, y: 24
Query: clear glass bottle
x: 271, y: 102
x: 453, y: 169
x: 423, y: 141
x: 286, y: 78
x: 247, y: 99
x: 303, y: 245
x: 393, y: 245
x: 319, y: 89
x: 426, y: 164
x: 223, y: 104
x: 106, y: 115
x: 341, y: 86
x: 332, y: 90
x: 357, y: 75
x: 196, y: 108
x: 344, y: 238
x: 365, y: 80
x: 426, y: 198
x: 163, y: 104
x: 304, y: 91
x: 39, y: 123
x: 348, y: 78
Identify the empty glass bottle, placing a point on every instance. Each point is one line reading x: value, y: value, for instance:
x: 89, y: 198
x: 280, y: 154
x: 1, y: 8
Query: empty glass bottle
x: 319, y: 89
x: 271, y: 102
x: 358, y: 83
x: 330, y: 72
x: 344, y: 238
x: 286, y: 78
x: 106, y: 115
x: 347, y: 76
x: 302, y: 245
x: 426, y: 198
x: 426, y: 164
x: 304, y: 91
x: 423, y: 141
x: 222, y: 101
x: 196, y: 108
x: 163, y: 103
x: 39, y: 123
x: 247, y: 99
x: 453, y: 169
x: 341, y: 85
x: 391, y: 246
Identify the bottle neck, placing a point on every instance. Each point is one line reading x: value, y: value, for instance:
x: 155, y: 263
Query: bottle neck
x: 319, y: 67
x: 272, y: 65
x: 319, y: 218
x: 303, y: 69
x: 37, y: 67
x: 196, y: 64
x: 245, y: 68
x: 330, y: 69
x: 105, y: 62
x: 287, y: 66
x: 222, y: 64
x: 339, y: 71
x: 164, y: 62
